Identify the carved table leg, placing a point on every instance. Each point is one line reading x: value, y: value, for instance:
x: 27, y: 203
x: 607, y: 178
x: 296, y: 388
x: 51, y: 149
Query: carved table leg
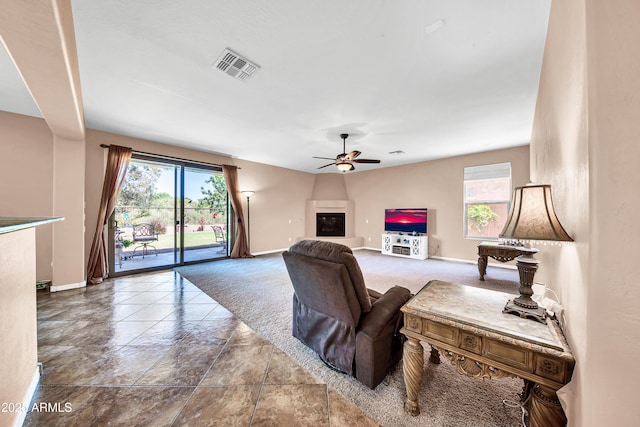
x: 545, y: 409
x: 482, y: 266
x: 434, y: 357
x: 412, y: 367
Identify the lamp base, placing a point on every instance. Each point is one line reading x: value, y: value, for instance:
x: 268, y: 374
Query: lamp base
x: 539, y: 314
x: 524, y: 306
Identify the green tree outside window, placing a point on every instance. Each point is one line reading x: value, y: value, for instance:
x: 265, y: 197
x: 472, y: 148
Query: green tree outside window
x: 480, y: 216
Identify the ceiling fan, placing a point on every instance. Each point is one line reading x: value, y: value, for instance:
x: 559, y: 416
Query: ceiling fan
x: 345, y: 161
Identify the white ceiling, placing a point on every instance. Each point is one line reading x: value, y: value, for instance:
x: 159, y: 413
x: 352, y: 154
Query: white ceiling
x: 434, y: 78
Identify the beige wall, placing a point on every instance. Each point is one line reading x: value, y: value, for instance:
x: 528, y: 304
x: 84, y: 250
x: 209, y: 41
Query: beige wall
x: 44, y: 176
x: 69, y: 269
x: 279, y: 203
x: 560, y: 157
x: 436, y: 185
x: 39, y: 38
x: 277, y: 207
x: 585, y: 144
x: 19, y: 353
x: 329, y: 186
x: 27, y: 178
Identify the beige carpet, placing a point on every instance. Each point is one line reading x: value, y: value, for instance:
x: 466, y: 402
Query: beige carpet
x: 259, y: 292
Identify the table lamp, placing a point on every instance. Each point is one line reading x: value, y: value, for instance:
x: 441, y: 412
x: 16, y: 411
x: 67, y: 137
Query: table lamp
x: 531, y: 218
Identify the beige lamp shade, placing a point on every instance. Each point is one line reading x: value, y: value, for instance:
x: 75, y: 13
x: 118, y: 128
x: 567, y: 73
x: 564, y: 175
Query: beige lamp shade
x: 532, y: 217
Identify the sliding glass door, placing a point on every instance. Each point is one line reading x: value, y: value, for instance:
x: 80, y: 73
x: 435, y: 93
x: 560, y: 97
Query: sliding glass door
x: 168, y: 213
x: 205, y: 215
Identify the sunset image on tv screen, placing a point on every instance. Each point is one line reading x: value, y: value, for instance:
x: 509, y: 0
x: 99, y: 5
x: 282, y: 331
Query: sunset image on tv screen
x: 406, y: 220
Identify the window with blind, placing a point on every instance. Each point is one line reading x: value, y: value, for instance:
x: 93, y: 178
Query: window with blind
x: 487, y: 195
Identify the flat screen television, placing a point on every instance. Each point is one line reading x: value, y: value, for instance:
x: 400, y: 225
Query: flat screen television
x: 407, y: 220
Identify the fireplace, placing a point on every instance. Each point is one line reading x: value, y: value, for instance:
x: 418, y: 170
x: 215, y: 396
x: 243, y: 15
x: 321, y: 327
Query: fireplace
x: 331, y: 221
x: 330, y: 224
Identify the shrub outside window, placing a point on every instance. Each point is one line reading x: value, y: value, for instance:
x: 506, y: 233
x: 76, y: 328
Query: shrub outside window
x: 487, y: 196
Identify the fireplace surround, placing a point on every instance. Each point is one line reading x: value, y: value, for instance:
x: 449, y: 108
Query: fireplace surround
x: 333, y: 206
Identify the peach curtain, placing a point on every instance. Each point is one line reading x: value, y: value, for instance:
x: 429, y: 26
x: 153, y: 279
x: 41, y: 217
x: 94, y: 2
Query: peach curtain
x: 117, y: 162
x: 240, y: 246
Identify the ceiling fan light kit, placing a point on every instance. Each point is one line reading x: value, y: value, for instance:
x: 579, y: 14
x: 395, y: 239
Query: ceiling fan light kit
x: 345, y: 166
x: 343, y: 161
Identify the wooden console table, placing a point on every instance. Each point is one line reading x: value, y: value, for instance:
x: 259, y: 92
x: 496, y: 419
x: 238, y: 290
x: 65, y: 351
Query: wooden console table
x: 502, y: 253
x: 467, y: 326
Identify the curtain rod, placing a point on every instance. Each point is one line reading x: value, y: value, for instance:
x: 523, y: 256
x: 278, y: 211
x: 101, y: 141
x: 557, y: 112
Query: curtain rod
x: 169, y: 157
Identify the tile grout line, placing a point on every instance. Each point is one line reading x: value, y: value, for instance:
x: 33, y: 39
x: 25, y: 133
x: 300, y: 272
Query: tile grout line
x: 204, y: 375
x: 264, y: 378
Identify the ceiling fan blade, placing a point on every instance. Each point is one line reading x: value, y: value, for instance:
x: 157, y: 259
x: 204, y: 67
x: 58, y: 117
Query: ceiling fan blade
x: 353, y: 154
x: 330, y: 164
x: 366, y: 161
x: 325, y: 158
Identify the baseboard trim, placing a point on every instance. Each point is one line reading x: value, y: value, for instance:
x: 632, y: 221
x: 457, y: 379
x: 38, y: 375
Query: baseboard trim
x: 441, y: 258
x: 286, y: 249
x: 67, y: 287
x: 28, y: 397
x: 466, y: 261
x: 275, y: 251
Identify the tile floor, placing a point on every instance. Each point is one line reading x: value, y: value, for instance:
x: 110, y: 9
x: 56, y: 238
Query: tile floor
x: 154, y: 350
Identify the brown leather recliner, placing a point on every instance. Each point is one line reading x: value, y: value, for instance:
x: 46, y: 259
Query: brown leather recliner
x: 352, y: 328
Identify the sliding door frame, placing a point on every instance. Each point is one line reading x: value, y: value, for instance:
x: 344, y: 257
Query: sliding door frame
x: 180, y: 166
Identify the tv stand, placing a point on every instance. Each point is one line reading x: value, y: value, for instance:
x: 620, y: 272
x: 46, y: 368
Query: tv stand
x: 405, y: 245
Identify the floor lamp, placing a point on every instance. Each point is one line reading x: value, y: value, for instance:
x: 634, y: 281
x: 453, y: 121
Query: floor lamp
x: 248, y: 195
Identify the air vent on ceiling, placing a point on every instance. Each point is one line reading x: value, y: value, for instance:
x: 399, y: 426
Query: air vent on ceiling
x: 234, y: 65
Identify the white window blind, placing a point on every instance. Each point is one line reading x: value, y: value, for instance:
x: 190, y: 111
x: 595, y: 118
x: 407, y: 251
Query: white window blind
x: 495, y: 170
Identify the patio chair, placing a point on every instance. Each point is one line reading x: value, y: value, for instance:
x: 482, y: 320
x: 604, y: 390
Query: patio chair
x: 221, y: 238
x: 144, y: 234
